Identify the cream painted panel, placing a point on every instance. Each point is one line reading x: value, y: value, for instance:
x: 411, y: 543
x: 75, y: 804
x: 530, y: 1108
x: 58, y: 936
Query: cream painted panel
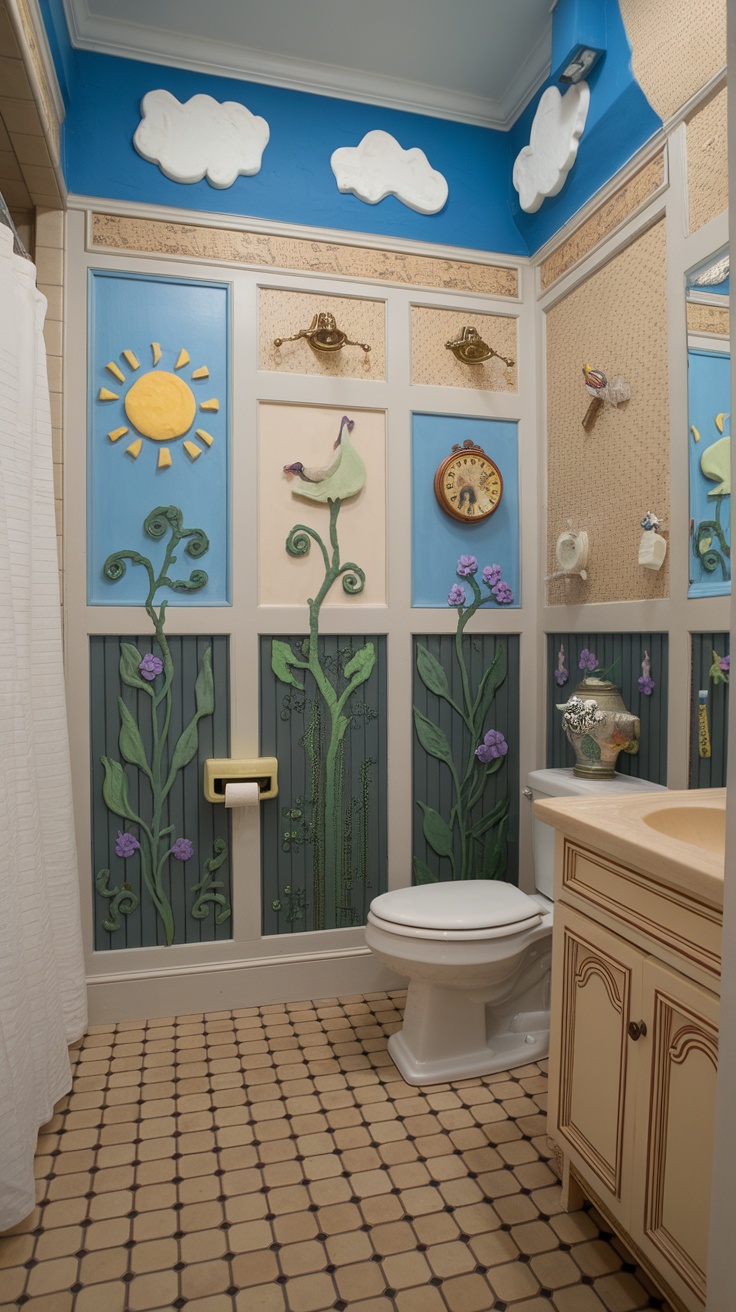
x: 594, y: 977
x: 676, y: 1117
x: 290, y: 433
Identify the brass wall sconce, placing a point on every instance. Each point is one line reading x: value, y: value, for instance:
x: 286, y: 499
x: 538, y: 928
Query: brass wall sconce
x: 471, y: 349
x: 323, y: 335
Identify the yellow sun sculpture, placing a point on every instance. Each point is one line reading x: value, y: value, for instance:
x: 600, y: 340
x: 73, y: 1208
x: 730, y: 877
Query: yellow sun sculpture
x: 160, y: 405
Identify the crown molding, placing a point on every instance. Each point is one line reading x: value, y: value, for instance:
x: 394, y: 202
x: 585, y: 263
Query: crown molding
x: 152, y: 45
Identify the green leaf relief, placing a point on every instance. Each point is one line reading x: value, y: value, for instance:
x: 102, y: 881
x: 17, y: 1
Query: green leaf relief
x: 130, y: 741
x: 186, y: 747
x: 490, y: 684
x: 497, y: 856
x: 422, y: 873
x: 115, y: 790
x: 589, y: 748
x: 436, y: 831
x: 431, y: 737
x: 204, y: 688
x: 361, y: 664
x: 282, y: 657
x: 130, y: 659
x: 431, y: 673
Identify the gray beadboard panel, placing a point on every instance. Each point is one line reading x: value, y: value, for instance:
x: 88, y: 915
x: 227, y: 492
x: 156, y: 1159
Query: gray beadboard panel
x: 708, y: 772
x: 432, y: 778
x: 185, y: 808
x: 627, y: 649
x: 295, y: 729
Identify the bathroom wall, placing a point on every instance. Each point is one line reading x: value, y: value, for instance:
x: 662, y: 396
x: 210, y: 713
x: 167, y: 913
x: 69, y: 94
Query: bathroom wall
x: 677, y: 47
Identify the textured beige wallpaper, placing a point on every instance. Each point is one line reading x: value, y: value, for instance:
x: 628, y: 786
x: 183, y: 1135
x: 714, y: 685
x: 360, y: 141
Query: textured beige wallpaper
x: 432, y: 363
x: 605, y: 480
x: 282, y: 314
x: 604, y: 221
x: 187, y: 240
x: 707, y: 162
x: 677, y: 45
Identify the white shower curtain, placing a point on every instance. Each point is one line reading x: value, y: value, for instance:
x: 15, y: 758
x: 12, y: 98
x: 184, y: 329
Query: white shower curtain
x: 42, y: 990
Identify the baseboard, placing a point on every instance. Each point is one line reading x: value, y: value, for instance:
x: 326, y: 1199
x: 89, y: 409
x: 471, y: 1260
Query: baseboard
x: 222, y: 986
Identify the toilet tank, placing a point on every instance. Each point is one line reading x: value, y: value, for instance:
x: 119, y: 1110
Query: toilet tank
x: 563, y: 783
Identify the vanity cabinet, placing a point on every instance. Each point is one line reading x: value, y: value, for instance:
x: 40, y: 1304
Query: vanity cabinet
x: 633, y: 1061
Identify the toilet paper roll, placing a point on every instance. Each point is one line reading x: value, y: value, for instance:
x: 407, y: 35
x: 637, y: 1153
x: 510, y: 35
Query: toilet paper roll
x: 571, y: 551
x: 242, y: 794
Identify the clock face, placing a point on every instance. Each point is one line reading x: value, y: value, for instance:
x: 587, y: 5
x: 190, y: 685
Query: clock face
x: 468, y: 485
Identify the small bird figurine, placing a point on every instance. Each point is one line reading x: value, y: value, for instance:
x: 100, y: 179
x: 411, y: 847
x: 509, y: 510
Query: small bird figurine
x: 337, y: 481
x: 598, y: 386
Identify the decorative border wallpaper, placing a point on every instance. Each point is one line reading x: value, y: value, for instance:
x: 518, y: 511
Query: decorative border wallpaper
x: 606, y: 480
x: 625, y: 652
x: 707, y: 162
x: 283, y: 314
x: 677, y: 46
x: 604, y: 221
x: 190, y: 241
x: 432, y: 363
x: 708, y: 319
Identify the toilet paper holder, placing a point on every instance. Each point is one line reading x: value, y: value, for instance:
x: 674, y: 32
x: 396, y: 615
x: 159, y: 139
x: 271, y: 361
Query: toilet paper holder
x: 261, y: 770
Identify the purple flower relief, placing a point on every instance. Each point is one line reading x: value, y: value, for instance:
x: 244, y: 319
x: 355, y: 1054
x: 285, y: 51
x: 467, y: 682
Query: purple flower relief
x: 561, y: 676
x: 646, y: 684
x: 587, y: 660
x: 456, y: 595
x: 491, y: 575
x: 467, y: 565
x: 725, y: 665
x: 493, y: 746
x: 150, y: 666
x: 503, y: 594
x: 183, y: 849
x: 126, y: 845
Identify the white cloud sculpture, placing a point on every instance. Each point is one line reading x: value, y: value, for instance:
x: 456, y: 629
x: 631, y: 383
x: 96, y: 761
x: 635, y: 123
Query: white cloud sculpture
x: 201, y: 138
x: 379, y: 167
x: 540, y: 169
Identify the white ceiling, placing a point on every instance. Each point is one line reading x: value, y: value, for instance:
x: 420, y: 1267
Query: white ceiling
x: 478, y: 61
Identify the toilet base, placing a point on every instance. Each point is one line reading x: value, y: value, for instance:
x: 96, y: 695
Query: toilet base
x: 527, y: 1041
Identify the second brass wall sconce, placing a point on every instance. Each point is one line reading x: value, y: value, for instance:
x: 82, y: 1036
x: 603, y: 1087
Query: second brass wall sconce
x: 471, y: 349
x: 323, y: 335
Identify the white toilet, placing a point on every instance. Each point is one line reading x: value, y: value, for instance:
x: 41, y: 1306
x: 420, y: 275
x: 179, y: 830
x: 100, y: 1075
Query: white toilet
x: 477, y: 955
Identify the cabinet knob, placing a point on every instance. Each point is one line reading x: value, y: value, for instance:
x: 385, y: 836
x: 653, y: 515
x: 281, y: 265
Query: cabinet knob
x: 637, y: 1029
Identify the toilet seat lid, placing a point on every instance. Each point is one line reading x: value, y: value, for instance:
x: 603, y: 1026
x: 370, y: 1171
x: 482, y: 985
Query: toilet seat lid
x: 457, y: 905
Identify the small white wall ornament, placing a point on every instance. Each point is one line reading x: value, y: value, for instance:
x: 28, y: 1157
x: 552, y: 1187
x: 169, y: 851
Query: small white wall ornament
x: 540, y: 169
x: 200, y: 138
x: 378, y: 167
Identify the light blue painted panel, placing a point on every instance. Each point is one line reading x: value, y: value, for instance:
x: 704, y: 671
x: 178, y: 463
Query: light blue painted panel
x: 709, y: 394
x: 130, y: 312
x: 437, y: 539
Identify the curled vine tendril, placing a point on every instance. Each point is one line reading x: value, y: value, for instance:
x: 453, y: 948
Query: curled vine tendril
x: 198, y: 543
x: 353, y: 579
x: 161, y: 519
x: 123, y: 900
x: 299, y: 541
x: 196, y: 580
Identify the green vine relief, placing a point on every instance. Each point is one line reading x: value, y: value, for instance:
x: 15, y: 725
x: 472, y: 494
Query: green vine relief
x: 155, y: 841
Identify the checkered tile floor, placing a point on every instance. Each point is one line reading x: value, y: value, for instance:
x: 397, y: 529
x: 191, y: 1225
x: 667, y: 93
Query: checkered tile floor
x: 271, y: 1159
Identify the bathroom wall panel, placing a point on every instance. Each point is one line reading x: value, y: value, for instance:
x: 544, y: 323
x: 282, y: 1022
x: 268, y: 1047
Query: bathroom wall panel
x: 434, y: 780
x: 677, y: 46
x: 282, y: 314
x: 185, y: 808
x: 324, y: 838
x: 709, y: 771
x: 432, y: 363
x: 707, y: 162
x: 627, y: 650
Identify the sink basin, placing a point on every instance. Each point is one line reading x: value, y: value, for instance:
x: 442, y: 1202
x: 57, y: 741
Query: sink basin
x: 700, y: 826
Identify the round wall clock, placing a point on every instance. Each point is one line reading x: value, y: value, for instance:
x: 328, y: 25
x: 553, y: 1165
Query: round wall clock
x: 468, y: 485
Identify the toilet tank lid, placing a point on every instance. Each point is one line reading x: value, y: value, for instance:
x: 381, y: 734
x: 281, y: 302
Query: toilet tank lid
x: 564, y: 783
x: 456, y: 905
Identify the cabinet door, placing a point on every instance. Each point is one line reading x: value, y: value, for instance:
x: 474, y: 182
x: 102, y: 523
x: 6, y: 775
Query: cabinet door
x: 596, y: 988
x: 675, y: 1118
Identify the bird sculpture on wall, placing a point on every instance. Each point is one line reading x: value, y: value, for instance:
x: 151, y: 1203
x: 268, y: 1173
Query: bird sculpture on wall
x: 598, y: 387
x: 343, y: 478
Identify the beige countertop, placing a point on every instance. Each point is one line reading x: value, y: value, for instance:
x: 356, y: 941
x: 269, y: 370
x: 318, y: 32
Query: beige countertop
x: 624, y: 828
